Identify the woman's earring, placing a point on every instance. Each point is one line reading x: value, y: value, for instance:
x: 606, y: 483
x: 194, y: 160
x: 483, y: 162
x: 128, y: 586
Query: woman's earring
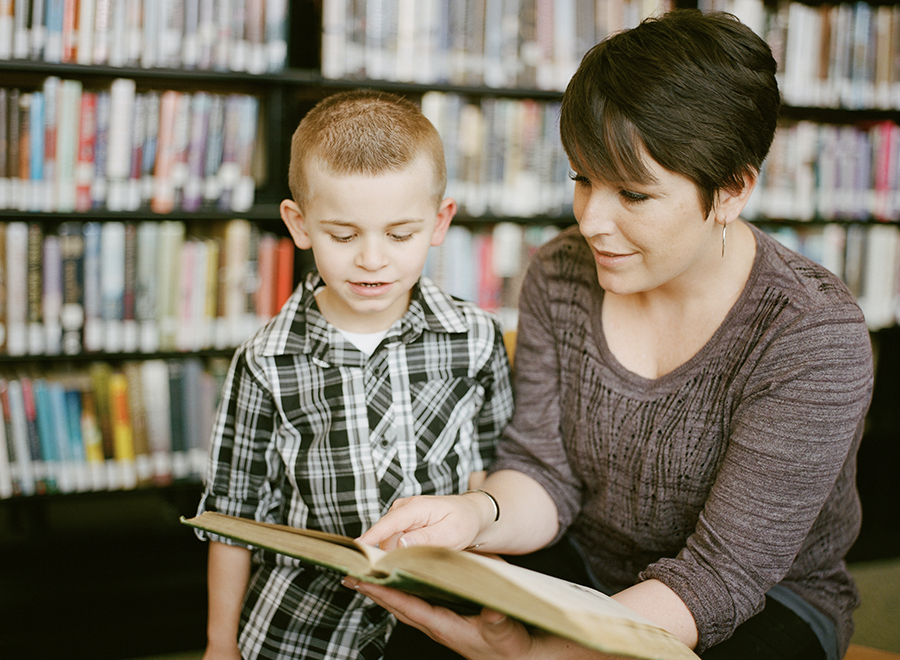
x: 724, y: 227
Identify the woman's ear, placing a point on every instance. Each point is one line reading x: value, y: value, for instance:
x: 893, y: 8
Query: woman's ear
x: 296, y: 225
x: 445, y: 214
x: 730, y: 203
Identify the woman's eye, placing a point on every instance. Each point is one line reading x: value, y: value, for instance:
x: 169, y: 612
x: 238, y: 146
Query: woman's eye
x: 631, y: 196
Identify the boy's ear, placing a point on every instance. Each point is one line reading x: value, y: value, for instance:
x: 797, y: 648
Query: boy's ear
x: 445, y: 214
x: 293, y: 220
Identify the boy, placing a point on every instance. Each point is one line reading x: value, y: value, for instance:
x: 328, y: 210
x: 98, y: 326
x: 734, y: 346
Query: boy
x: 370, y: 385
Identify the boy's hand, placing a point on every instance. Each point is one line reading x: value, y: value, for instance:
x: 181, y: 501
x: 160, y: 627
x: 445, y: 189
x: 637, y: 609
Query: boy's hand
x: 449, y: 521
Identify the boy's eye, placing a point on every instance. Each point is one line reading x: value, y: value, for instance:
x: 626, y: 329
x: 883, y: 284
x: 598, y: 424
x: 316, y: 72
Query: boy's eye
x: 400, y: 237
x: 341, y: 238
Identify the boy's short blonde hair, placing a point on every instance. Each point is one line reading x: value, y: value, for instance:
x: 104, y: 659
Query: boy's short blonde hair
x: 364, y: 132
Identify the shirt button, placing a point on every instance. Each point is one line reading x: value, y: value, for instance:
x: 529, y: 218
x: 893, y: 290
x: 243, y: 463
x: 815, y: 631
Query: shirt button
x: 385, y: 443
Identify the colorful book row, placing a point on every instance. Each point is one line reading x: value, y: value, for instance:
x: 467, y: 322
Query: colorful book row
x: 829, y: 55
x: 67, y: 148
x: 225, y: 35
x: 486, y: 264
x: 122, y: 287
x: 830, y: 172
x: 107, y: 428
x: 503, y: 155
x: 532, y: 44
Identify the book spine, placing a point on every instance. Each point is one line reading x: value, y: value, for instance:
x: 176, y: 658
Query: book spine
x: 44, y: 479
x: 4, y: 292
x: 17, y: 288
x: 150, y: 35
x: 190, y: 40
x: 197, y: 147
x: 85, y: 166
x: 123, y: 433
x: 46, y: 192
x: 72, y: 314
x: 7, y: 456
x: 130, y: 328
x: 164, y: 187
x: 100, y: 373
x: 206, y: 33
x: 268, y: 269
x: 70, y: 31
x: 73, y: 415
x: 285, y: 274
x: 36, y: 340
x: 14, y: 411
x: 66, y: 464
x: 38, y: 29
x: 21, y: 41
x: 276, y: 18
x: 112, y: 283
x: 53, y: 46
x: 155, y: 384
x: 67, y: 142
x: 149, y: 151
x: 52, y: 301
x: 121, y: 126
x: 138, y: 416
x: 5, y: 173
x: 7, y: 29
x: 86, y: 24
x: 146, y: 309
x: 102, y: 31
x: 92, y: 437
x: 100, y: 185
x: 133, y: 185
x: 93, y: 335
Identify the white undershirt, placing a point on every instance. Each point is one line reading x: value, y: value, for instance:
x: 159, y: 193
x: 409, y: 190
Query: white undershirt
x: 367, y: 342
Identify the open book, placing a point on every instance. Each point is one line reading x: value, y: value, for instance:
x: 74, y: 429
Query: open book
x: 455, y: 578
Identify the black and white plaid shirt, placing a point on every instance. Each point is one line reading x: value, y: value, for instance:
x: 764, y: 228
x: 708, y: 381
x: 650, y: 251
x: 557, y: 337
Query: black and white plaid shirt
x: 313, y: 433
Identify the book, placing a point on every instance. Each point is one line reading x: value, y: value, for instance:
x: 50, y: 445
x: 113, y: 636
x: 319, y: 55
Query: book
x: 52, y: 302
x: 122, y: 430
x: 7, y: 28
x: 7, y: 459
x: 457, y: 578
x: 13, y: 402
x: 16, y: 288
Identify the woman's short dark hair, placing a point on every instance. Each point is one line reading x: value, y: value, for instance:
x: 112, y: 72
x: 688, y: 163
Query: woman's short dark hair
x: 696, y: 90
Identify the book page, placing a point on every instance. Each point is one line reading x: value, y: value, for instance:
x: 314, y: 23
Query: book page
x: 573, y: 611
x: 333, y: 551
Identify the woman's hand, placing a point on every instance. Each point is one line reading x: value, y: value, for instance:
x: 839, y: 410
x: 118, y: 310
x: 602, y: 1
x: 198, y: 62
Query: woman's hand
x: 487, y: 636
x: 450, y: 521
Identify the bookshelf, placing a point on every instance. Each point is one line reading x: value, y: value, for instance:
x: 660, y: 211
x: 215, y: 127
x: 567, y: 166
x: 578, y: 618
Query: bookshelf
x: 495, y: 113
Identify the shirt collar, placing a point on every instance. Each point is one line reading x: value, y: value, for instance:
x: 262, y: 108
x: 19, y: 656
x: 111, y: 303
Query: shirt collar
x: 300, y: 328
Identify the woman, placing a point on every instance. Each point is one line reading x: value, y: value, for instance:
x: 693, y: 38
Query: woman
x: 690, y: 395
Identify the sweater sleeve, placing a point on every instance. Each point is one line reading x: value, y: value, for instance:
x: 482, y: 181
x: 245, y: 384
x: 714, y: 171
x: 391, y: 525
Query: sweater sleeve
x: 532, y: 443
x: 790, y: 433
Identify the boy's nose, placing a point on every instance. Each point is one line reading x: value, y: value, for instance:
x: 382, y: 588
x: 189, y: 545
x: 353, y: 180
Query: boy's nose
x: 371, y: 256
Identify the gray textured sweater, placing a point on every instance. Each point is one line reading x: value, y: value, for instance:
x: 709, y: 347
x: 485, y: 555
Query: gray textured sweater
x: 732, y: 473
